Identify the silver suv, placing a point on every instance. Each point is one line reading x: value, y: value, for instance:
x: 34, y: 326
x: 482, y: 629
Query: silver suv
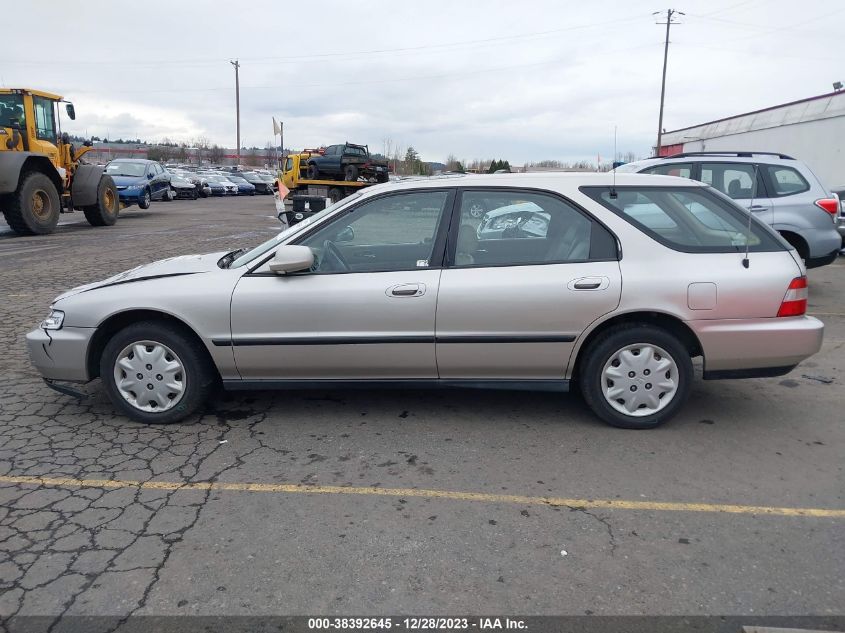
x: 786, y: 195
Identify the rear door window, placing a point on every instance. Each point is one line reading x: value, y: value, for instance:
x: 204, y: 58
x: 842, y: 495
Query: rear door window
x: 687, y: 219
x: 786, y: 181
x: 681, y: 170
x: 512, y: 228
x: 735, y: 180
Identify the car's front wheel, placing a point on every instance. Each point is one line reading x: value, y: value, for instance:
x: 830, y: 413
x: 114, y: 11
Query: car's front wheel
x: 636, y: 376
x: 155, y: 372
x: 144, y: 199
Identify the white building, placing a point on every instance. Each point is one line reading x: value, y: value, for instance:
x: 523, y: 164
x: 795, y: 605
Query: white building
x: 811, y: 130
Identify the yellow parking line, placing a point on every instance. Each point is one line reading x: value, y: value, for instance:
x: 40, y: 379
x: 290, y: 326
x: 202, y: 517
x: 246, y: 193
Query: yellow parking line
x: 609, y: 504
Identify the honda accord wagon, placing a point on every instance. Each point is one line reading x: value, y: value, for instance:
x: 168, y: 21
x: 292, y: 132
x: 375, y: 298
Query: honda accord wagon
x: 625, y: 280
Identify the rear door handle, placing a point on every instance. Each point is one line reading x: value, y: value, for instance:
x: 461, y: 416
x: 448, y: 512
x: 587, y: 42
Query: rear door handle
x: 589, y: 283
x: 757, y: 207
x: 406, y: 290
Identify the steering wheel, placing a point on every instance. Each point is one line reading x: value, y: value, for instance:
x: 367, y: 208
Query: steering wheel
x: 331, y: 253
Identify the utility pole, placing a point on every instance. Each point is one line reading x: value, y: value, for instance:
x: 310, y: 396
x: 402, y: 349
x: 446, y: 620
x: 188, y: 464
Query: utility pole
x: 237, y: 66
x: 670, y: 13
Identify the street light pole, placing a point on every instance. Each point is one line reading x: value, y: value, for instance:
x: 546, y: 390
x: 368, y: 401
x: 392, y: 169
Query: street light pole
x: 237, y: 66
x: 669, y: 14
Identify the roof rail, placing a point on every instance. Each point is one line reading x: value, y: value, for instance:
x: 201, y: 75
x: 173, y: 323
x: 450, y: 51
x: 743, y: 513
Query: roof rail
x: 741, y: 154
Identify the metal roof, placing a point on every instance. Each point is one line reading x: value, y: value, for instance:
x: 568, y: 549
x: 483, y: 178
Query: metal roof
x: 824, y: 106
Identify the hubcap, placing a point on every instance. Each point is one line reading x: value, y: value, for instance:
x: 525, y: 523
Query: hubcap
x: 41, y: 204
x: 149, y: 376
x: 640, y: 379
x: 476, y: 210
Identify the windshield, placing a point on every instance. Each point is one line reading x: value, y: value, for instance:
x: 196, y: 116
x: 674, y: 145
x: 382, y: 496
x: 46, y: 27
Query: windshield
x: 270, y: 244
x: 126, y: 169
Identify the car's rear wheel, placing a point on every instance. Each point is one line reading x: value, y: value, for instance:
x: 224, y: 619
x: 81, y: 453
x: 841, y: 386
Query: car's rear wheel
x: 351, y: 173
x: 154, y: 372
x: 636, y: 376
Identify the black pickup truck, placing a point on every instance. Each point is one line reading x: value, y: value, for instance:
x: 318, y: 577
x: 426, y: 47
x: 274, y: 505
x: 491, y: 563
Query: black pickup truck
x: 346, y: 162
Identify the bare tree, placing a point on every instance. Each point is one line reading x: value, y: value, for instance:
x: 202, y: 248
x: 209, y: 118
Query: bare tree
x: 216, y: 154
x: 202, y: 144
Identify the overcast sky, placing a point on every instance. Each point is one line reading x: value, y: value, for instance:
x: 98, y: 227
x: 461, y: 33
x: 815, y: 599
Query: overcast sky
x: 526, y: 80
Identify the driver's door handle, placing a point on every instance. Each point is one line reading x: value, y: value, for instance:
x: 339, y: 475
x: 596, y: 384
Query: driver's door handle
x: 406, y: 290
x: 364, y: 255
x: 758, y: 207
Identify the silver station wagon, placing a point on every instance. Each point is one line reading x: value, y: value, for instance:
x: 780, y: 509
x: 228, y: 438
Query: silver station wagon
x: 613, y: 283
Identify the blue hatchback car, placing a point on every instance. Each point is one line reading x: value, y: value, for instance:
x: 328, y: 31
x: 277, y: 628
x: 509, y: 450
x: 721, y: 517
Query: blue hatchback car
x: 139, y: 181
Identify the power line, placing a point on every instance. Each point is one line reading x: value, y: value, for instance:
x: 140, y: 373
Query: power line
x: 477, y: 71
x: 341, y: 54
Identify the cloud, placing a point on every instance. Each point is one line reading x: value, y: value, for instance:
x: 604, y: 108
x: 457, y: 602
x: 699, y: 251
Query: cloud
x: 540, y: 79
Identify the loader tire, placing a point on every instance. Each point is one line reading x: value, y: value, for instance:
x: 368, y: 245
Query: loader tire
x: 104, y: 213
x: 35, y: 207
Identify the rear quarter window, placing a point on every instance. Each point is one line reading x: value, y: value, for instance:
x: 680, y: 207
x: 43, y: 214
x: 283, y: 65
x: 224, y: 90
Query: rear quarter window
x: 681, y: 170
x: 786, y: 181
x: 688, y: 219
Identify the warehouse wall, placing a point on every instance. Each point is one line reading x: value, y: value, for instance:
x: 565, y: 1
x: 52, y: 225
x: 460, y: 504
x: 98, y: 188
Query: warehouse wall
x: 820, y: 144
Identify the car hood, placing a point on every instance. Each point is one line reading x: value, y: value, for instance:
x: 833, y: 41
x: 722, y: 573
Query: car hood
x: 171, y: 267
x: 124, y: 181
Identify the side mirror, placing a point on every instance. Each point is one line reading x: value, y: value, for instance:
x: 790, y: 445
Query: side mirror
x: 71, y: 111
x: 150, y: 176
x: 346, y: 235
x: 291, y: 259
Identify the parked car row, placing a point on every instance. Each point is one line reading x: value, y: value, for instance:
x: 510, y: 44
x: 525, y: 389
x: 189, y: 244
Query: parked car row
x: 142, y: 181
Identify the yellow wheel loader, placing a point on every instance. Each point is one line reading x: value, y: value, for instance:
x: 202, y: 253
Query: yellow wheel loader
x: 41, y: 173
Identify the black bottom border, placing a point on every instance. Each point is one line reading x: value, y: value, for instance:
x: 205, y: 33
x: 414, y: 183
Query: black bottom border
x: 529, y: 624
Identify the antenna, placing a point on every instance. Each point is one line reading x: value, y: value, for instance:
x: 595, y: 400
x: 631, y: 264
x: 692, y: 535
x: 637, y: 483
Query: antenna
x: 745, y: 261
x: 613, y: 193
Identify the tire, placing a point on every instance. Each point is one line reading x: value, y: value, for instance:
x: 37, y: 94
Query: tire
x: 144, y: 200
x: 193, y: 372
x: 312, y: 172
x: 350, y: 173
x: 382, y: 178
x: 201, y: 193
x: 105, y: 212
x: 35, y: 207
x: 336, y: 194
x: 630, y: 341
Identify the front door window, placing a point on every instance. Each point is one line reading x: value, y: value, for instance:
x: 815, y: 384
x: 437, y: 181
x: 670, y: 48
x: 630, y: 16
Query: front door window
x: 390, y: 233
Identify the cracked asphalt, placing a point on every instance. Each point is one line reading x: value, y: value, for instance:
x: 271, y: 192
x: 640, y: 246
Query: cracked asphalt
x: 131, y: 550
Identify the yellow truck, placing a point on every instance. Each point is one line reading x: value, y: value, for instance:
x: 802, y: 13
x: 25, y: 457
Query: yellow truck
x: 295, y: 178
x: 42, y: 174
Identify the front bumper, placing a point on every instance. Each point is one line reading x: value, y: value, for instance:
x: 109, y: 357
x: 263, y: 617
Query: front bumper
x: 130, y: 196
x: 182, y: 192
x: 757, y: 344
x: 60, y: 354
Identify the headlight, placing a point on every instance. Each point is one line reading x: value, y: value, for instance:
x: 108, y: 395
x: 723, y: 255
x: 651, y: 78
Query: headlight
x: 54, y: 320
x: 133, y: 187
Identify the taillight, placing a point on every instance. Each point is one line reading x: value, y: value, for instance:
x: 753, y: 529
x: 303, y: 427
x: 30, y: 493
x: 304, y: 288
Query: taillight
x: 831, y: 205
x: 795, y: 300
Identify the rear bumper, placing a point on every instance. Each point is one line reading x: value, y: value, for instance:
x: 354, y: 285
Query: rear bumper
x: 60, y: 354
x: 747, y: 346
x: 816, y: 262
